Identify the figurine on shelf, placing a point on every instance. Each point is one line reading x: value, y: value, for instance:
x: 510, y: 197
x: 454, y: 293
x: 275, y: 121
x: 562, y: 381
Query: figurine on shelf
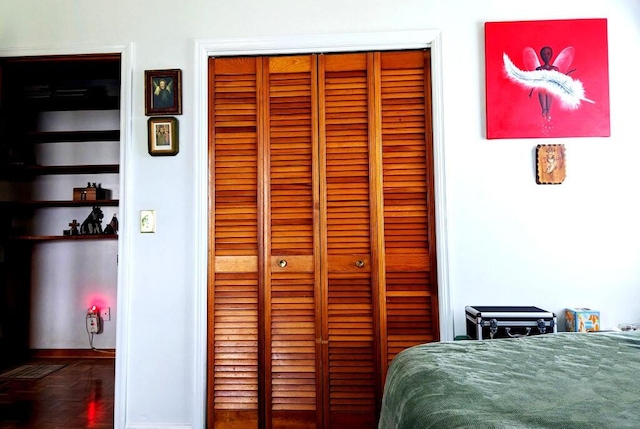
x: 93, y: 222
x: 112, y: 227
x: 73, y: 230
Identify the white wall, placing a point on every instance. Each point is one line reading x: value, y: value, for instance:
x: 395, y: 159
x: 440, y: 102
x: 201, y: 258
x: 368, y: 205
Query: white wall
x: 69, y: 277
x: 510, y: 241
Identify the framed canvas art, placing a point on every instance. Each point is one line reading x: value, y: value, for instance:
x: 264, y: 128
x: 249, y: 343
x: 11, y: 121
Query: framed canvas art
x: 547, y: 79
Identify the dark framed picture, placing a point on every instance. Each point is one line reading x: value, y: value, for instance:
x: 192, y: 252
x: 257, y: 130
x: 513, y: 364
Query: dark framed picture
x: 163, y: 92
x: 163, y: 136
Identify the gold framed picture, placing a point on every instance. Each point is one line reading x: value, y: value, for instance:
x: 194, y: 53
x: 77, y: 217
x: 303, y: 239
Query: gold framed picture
x: 163, y: 136
x: 550, y: 164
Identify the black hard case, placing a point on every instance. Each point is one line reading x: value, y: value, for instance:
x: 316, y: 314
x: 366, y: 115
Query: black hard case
x: 486, y: 322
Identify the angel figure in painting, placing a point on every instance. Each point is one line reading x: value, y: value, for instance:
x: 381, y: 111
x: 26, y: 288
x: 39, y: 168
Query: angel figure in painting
x: 162, y: 93
x: 552, y: 163
x: 550, y: 79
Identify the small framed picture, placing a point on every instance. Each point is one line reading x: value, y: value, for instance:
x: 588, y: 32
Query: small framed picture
x: 550, y: 160
x: 163, y: 136
x: 163, y: 92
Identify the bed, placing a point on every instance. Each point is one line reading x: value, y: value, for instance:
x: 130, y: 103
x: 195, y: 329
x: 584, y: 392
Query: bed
x: 564, y: 380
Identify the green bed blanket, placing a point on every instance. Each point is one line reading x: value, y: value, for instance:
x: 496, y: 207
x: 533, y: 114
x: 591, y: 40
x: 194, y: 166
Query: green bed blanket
x: 564, y: 380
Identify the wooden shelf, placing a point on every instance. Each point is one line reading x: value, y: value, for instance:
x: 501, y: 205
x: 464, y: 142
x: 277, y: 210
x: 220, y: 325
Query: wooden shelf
x: 63, y: 237
x: 26, y: 171
x: 73, y: 136
x: 62, y: 203
x: 68, y: 103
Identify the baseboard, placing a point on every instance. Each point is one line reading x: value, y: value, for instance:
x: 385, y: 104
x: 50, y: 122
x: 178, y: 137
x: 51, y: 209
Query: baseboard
x: 159, y: 426
x: 73, y: 353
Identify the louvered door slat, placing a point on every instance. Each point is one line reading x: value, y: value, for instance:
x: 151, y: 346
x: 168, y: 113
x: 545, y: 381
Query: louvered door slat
x: 410, y: 292
x: 234, y: 326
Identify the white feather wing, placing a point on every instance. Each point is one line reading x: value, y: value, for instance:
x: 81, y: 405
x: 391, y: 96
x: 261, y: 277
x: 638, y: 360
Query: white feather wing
x: 570, y: 91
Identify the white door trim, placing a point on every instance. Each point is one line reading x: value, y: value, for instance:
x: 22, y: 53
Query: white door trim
x: 126, y: 190
x: 294, y: 45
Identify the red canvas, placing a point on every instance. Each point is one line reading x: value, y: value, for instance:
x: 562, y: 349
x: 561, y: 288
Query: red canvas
x: 547, y: 79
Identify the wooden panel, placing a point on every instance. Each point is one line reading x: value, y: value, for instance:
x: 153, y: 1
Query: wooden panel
x: 411, y: 305
x: 234, y: 244
x: 235, y: 336
x: 291, y: 289
x: 350, y: 329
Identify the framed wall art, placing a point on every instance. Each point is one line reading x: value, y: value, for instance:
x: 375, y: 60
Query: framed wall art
x: 163, y: 92
x: 547, y: 79
x: 550, y: 164
x: 163, y: 136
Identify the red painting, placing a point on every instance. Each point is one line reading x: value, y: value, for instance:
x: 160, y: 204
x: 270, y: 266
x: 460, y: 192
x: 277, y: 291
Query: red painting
x: 547, y: 79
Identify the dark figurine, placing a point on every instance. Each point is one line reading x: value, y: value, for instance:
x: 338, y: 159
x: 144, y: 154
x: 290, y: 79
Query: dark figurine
x: 112, y: 227
x: 93, y: 222
x: 74, y: 228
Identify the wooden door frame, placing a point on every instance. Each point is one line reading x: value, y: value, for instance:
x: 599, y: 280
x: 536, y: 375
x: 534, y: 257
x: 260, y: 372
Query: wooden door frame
x: 296, y: 45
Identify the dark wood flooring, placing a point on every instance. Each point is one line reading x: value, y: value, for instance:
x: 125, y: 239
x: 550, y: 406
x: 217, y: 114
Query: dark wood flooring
x: 78, y: 396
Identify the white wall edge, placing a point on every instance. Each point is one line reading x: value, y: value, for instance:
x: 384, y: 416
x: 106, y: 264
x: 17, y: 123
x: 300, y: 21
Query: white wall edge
x: 305, y: 44
x: 201, y: 204
x: 126, y: 232
x: 442, y: 241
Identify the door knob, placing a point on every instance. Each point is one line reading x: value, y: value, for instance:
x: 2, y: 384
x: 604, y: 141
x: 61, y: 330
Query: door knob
x: 282, y: 263
x: 359, y: 263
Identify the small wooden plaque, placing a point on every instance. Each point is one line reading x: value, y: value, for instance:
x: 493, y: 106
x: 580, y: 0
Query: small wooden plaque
x: 550, y: 164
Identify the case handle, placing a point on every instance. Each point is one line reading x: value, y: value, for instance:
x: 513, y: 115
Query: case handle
x: 508, y: 331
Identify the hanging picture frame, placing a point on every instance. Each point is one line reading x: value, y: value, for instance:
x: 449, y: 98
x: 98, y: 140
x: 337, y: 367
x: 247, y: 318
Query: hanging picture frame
x: 163, y: 136
x: 550, y: 164
x: 163, y: 92
x: 547, y: 79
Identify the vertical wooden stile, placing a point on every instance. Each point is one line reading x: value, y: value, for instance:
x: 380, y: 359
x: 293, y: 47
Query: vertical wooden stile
x: 377, y: 217
x: 323, y: 331
x: 264, y: 245
x: 210, y: 248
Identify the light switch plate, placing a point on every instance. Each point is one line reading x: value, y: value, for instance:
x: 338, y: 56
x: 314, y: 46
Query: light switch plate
x: 147, y: 221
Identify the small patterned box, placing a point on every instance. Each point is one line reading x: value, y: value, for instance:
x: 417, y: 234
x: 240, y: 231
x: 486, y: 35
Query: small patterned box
x: 582, y: 320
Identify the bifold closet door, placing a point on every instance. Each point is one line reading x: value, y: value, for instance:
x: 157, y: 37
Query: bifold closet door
x: 321, y: 235
x: 350, y: 330
x: 235, y: 231
x: 264, y: 315
x: 409, y: 287
x: 292, y: 286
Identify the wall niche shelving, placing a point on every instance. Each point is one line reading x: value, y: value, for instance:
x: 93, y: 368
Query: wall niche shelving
x: 59, y: 130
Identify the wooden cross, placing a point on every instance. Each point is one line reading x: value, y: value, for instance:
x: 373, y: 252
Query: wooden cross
x: 74, y: 227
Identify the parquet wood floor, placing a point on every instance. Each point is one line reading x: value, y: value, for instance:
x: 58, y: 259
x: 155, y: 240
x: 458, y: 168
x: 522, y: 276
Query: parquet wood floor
x: 78, y: 396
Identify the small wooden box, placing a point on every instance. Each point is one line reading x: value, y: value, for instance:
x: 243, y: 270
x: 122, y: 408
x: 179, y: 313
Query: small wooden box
x: 91, y: 194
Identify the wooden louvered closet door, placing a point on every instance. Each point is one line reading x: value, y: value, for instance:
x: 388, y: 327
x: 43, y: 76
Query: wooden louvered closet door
x: 321, y: 235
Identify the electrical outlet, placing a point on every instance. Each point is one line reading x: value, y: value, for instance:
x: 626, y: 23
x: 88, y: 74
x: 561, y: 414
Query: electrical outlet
x: 105, y: 313
x: 93, y: 325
